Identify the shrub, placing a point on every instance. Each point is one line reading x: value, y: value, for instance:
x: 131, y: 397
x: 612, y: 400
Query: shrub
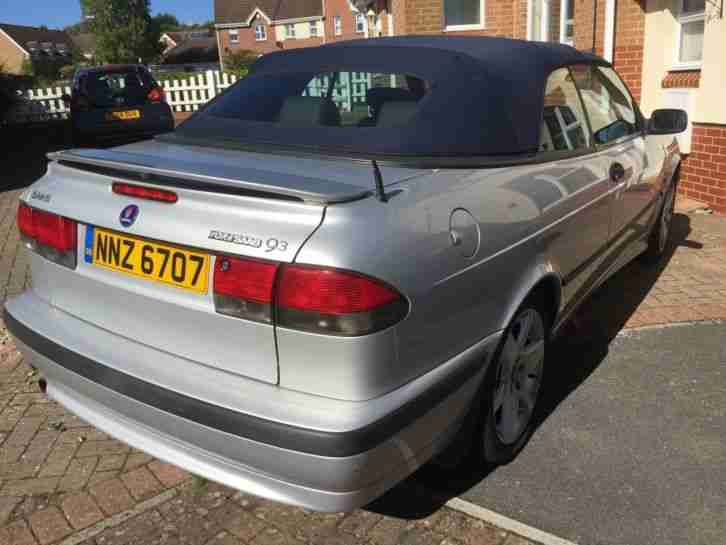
x: 238, y: 63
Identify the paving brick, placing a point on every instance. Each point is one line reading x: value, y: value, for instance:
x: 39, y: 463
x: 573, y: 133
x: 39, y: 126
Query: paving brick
x: 81, y: 510
x: 360, y: 522
x: 101, y: 448
x: 141, y: 483
x: 388, y: 531
x: 8, y: 455
x: 111, y: 461
x: 168, y: 474
x: 30, y: 487
x: 137, y: 459
x: 9, y: 418
x: 235, y: 520
x: 40, y: 446
x: 100, y: 476
x: 77, y: 474
x: 29, y: 399
x: 112, y: 496
x: 513, y: 539
x: 273, y: 536
x: 58, y: 460
x: 224, y: 539
x: 19, y: 470
x: 17, y: 533
x: 143, y: 529
x: 7, y: 504
x: 23, y: 432
x: 466, y: 530
x: 49, y: 525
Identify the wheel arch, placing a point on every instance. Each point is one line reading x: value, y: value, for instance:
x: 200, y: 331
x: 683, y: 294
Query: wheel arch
x: 545, y: 283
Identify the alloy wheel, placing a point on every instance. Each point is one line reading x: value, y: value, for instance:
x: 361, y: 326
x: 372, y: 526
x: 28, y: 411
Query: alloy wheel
x: 520, y: 376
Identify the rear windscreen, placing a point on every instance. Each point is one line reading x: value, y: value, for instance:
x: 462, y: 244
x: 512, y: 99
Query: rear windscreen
x: 327, y: 99
x: 118, y: 88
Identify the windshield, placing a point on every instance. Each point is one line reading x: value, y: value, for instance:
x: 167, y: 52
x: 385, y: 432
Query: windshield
x: 327, y: 99
x: 117, y: 88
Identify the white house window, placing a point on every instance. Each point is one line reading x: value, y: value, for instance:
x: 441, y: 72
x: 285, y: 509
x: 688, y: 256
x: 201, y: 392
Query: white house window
x: 360, y: 23
x: 290, y: 31
x: 234, y: 36
x: 463, y: 14
x: 337, y: 25
x: 260, y: 33
x: 567, y: 23
x: 692, y: 21
x: 314, y: 29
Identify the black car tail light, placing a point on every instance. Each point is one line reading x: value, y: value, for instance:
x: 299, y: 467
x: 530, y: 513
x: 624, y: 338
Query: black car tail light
x: 156, y: 94
x: 50, y: 235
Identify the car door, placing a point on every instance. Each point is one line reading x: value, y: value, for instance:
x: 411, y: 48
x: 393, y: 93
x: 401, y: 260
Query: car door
x: 573, y: 189
x: 618, y: 133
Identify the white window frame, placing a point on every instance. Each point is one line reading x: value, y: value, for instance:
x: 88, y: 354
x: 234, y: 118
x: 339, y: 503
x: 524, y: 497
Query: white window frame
x: 360, y: 19
x: 290, y: 35
x: 234, y: 36
x: 260, y: 33
x: 337, y: 25
x: 684, y: 18
x: 314, y: 29
x: 475, y: 26
x: 566, y: 17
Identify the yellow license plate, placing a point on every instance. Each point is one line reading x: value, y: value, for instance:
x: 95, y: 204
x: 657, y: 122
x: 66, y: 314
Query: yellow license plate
x: 125, y: 115
x: 152, y: 261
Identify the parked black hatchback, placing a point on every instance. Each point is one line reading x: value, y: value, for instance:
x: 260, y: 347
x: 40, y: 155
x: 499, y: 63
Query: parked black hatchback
x: 117, y: 102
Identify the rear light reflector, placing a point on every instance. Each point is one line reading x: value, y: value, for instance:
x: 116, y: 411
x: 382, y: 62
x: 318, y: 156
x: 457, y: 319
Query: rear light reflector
x: 157, y: 95
x: 244, y: 288
x: 142, y: 192
x: 50, y: 235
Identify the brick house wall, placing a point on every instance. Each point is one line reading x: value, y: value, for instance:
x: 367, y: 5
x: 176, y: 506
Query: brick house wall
x: 347, y: 17
x: 703, y: 173
x: 629, y: 42
x: 11, y: 57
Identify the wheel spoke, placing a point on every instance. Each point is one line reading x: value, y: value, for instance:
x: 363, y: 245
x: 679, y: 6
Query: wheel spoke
x: 532, y: 357
x: 525, y: 325
x: 510, y: 422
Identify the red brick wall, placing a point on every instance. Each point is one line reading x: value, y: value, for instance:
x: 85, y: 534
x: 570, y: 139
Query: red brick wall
x: 246, y: 37
x: 703, y: 172
x: 342, y: 8
x: 629, y: 40
x: 502, y: 18
x: 583, y: 25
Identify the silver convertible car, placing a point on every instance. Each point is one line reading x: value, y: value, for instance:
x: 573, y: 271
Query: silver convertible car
x: 349, y: 261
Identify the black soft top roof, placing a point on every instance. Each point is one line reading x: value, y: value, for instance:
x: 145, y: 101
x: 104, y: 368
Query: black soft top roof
x: 486, y: 96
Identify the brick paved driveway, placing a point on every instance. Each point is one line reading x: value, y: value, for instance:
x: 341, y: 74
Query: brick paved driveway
x: 61, y: 481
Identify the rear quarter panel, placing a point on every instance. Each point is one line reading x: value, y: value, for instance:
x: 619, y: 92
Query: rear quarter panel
x: 455, y: 300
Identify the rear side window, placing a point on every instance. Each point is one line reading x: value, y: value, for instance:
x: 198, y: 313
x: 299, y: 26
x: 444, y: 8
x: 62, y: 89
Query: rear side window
x: 330, y: 99
x: 564, y: 124
x: 608, y: 103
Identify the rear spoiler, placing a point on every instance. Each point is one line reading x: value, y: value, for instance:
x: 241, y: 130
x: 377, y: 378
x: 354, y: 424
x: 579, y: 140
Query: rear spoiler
x: 210, y: 177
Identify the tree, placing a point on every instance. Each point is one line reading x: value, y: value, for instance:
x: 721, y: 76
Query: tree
x: 166, y: 22
x: 124, y: 29
x: 238, y: 63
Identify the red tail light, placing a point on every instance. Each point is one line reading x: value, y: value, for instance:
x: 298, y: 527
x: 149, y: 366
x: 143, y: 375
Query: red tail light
x: 141, y: 192
x: 329, y: 291
x: 52, y: 236
x: 156, y: 95
x: 316, y: 299
x: 244, y: 288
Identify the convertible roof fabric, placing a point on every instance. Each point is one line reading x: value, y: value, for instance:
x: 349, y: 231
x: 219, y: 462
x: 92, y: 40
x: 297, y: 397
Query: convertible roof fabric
x: 486, y: 96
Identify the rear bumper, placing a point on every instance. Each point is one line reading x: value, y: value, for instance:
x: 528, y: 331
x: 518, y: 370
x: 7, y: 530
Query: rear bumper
x: 316, y: 468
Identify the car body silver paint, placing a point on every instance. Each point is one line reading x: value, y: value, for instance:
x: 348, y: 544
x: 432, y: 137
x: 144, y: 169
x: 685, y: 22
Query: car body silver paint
x: 319, y: 482
x: 563, y: 220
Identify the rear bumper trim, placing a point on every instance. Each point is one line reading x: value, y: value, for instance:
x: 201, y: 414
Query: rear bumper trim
x: 304, y: 440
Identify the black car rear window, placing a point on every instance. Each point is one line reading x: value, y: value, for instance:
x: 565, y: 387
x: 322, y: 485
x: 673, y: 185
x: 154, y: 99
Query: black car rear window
x: 109, y: 88
x: 341, y: 98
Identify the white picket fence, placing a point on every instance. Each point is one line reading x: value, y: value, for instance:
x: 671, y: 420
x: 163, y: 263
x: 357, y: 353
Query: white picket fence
x: 185, y: 95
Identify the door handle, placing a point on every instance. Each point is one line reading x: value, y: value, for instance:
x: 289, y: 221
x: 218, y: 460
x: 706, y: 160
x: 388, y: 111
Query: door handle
x: 617, y: 172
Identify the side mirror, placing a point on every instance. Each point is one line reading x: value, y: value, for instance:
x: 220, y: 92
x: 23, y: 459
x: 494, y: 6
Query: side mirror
x: 66, y: 99
x: 668, y: 121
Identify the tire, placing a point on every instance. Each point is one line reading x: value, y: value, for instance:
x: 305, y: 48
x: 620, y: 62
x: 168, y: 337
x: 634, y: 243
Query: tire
x: 512, y: 388
x: 658, y: 240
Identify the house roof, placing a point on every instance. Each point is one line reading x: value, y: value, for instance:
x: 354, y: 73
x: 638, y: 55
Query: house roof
x: 181, y: 36
x: 239, y: 11
x: 22, y: 35
x: 193, y: 50
x: 485, y: 97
